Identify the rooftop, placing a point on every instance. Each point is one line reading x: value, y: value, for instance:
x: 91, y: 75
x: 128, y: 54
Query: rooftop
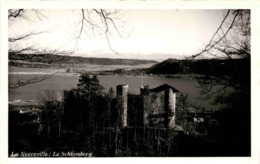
x: 163, y: 88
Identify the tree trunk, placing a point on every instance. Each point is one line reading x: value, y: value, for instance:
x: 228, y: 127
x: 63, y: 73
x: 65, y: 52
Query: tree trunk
x: 144, y: 134
x: 49, y: 131
x: 94, y: 141
x: 126, y: 139
x: 148, y: 136
x: 103, y: 134
x: 116, y: 139
x: 109, y: 112
x: 159, y: 143
x: 109, y: 136
x: 59, y: 127
x: 135, y: 133
x: 168, y: 150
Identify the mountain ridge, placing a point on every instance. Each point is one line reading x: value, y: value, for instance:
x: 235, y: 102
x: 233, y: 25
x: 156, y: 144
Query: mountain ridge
x: 60, y: 59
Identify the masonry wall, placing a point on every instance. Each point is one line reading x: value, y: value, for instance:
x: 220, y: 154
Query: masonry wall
x: 154, y: 113
x: 159, y: 109
x: 135, y: 110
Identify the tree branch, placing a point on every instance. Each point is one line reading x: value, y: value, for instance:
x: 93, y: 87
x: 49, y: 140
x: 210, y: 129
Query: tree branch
x: 213, y: 43
x: 23, y: 82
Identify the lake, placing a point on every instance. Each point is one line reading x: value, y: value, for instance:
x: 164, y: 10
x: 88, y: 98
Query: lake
x: 61, y: 81
x: 29, y: 94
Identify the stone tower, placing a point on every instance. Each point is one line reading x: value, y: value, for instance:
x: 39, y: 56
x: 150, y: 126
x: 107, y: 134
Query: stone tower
x: 170, y: 105
x: 122, y: 92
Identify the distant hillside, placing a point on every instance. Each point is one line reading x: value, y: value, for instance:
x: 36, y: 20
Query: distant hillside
x: 203, y: 66
x: 58, y: 59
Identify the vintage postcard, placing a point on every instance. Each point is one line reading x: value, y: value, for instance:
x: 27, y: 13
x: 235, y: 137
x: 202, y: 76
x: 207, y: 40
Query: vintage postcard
x: 139, y: 80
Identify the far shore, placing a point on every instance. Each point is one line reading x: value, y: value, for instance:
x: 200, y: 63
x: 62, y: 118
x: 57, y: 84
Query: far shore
x: 62, y: 72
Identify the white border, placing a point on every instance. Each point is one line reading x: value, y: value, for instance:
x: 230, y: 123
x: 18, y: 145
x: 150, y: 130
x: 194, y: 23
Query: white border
x: 255, y: 74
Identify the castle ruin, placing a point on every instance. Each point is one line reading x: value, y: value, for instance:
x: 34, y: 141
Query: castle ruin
x: 158, y: 106
x: 151, y: 108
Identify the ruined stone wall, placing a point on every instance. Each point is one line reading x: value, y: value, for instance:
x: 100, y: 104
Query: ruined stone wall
x: 154, y: 114
x: 135, y: 110
x: 159, y: 109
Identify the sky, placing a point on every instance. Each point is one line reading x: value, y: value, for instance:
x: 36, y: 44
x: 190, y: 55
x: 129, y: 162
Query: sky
x: 147, y: 34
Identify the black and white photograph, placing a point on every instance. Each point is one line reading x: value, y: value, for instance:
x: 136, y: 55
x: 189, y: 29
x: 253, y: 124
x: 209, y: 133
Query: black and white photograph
x: 123, y: 82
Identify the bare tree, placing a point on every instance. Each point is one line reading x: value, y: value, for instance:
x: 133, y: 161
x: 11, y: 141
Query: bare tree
x: 19, y: 82
x: 232, y: 37
x: 53, y: 110
x: 232, y: 40
x: 230, y: 83
x: 23, y: 53
x: 101, y: 22
x: 94, y: 21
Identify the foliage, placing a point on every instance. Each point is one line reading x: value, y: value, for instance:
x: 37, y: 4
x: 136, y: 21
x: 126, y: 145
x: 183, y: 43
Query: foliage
x: 145, y: 90
x: 51, y: 117
x: 91, y: 124
x: 24, y: 131
x: 209, y: 67
x: 227, y: 78
x: 88, y: 87
x: 234, y: 45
